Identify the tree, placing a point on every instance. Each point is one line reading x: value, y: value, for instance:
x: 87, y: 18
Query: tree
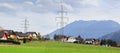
x: 47, y: 37
x: 108, y: 42
x: 103, y: 42
x: 39, y: 36
x: 55, y: 37
x: 112, y: 43
x: 79, y: 39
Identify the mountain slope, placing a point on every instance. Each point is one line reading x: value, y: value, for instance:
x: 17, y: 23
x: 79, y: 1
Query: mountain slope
x: 113, y: 36
x: 89, y: 29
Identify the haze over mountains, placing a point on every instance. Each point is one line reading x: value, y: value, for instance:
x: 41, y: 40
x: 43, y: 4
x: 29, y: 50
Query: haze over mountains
x: 89, y: 29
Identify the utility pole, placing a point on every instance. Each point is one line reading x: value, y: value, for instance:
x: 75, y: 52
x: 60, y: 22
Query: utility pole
x: 61, y: 18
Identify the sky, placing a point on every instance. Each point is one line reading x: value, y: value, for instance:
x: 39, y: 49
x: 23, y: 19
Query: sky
x: 41, y: 14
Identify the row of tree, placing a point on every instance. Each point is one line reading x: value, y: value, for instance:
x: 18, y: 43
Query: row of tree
x: 108, y: 42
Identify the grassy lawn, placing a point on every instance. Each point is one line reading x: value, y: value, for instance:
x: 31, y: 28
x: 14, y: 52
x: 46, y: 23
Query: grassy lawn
x: 55, y: 47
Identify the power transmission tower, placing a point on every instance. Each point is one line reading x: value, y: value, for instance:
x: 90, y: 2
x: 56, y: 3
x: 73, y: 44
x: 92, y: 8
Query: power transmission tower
x: 61, y: 18
x: 25, y: 25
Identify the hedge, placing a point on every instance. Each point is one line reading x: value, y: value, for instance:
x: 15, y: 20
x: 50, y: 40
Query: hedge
x: 9, y: 41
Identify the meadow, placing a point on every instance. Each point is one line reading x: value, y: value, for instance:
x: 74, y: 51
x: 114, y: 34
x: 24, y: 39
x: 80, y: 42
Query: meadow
x: 55, y: 47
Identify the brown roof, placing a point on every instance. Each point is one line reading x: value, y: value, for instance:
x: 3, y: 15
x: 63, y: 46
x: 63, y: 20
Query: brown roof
x: 8, y: 32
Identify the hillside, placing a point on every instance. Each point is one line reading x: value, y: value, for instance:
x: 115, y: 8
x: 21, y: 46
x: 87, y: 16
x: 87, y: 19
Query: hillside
x: 89, y: 29
x: 113, y: 36
x: 55, y: 47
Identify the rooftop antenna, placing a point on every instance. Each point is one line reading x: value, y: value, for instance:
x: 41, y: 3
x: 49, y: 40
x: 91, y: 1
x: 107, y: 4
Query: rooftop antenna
x: 61, y: 18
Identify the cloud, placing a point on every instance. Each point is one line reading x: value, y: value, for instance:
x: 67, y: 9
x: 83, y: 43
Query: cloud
x: 40, y: 6
x: 29, y: 3
x: 68, y: 7
x: 7, y: 5
x: 90, y: 2
x: 42, y: 13
x: 53, y: 6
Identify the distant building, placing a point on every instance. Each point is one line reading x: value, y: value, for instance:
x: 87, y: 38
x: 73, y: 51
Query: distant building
x: 27, y: 35
x: 33, y: 35
x: 5, y: 34
x: 71, y: 39
x: 60, y: 37
x: 92, y: 41
x: 64, y: 38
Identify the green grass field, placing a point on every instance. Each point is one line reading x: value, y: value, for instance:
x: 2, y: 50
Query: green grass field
x: 55, y: 47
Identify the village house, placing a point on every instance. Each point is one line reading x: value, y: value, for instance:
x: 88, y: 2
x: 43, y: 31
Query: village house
x: 60, y: 37
x: 7, y: 34
x: 71, y: 39
x: 92, y: 41
x: 3, y: 36
x: 96, y: 42
x: 89, y: 41
x: 33, y: 35
x: 21, y: 36
x: 27, y: 35
x: 64, y: 38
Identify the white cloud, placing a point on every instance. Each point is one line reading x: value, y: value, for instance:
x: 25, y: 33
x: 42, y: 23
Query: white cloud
x: 68, y: 7
x: 7, y: 5
x: 29, y: 3
x: 90, y: 2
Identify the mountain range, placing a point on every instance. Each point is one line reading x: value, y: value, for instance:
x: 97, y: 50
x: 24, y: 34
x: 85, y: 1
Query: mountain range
x: 89, y: 29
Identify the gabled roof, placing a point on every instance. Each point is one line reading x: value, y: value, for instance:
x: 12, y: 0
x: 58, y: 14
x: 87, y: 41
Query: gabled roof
x: 31, y: 33
x: 18, y: 33
x: 23, y: 35
x: 8, y: 32
x: 4, y: 37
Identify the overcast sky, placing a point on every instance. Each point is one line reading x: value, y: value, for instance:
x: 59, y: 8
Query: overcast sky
x: 42, y: 13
